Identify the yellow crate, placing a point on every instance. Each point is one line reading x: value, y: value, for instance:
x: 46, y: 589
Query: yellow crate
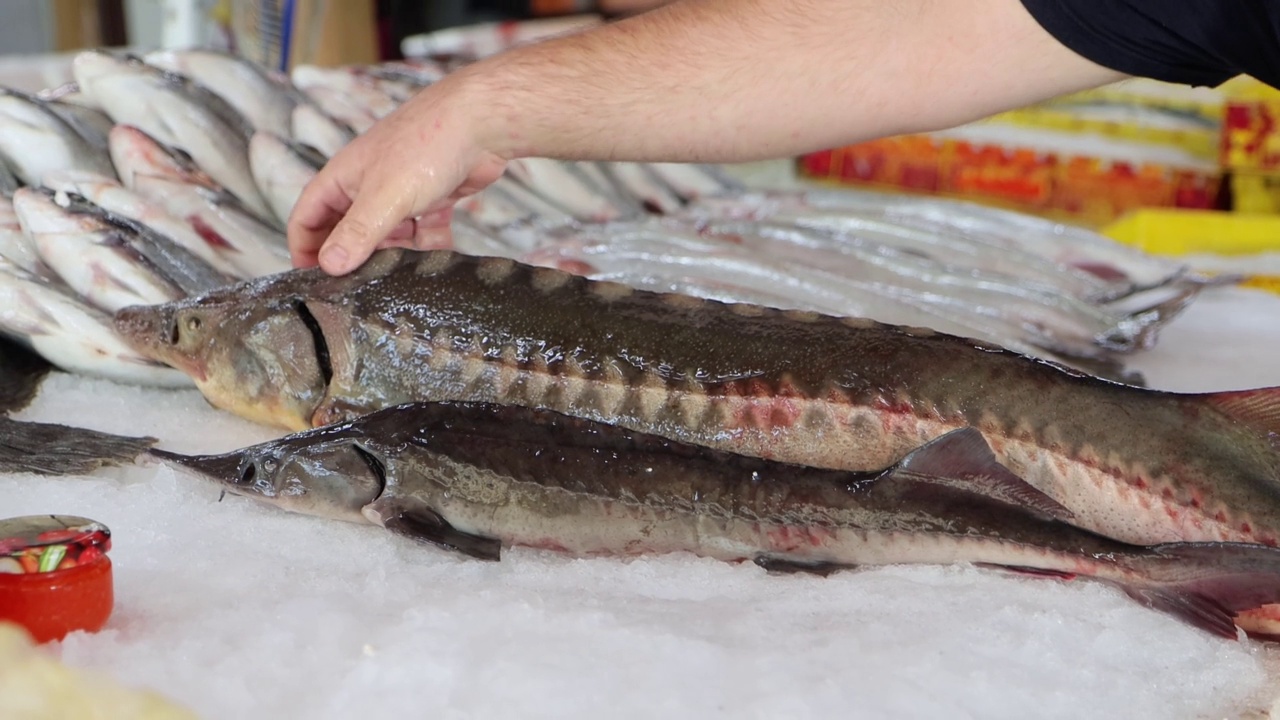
x: 1179, y: 232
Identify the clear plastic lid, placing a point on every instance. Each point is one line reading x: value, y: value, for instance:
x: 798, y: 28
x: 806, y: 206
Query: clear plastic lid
x: 45, y: 543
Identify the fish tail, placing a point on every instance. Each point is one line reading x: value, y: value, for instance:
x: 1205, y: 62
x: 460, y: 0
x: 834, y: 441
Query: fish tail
x: 1258, y: 409
x: 52, y: 449
x: 1207, y: 584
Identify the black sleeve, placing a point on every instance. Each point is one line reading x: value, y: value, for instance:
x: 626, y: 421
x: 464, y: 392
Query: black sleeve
x: 1193, y: 42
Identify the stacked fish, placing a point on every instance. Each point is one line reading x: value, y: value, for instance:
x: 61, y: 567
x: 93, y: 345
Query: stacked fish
x: 154, y: 178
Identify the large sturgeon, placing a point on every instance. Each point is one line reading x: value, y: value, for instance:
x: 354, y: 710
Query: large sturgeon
x: 303, y: 349
x: 474, y: 478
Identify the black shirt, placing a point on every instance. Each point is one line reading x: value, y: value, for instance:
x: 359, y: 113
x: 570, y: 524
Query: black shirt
x: 1192, y: 42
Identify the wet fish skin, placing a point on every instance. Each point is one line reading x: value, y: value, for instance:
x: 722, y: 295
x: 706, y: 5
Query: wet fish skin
x: 113, y: 197
x: 184, y: 269
x: 727, y: 276
x: 168, y: 178
x: 34, y: 140
x: 281, y: 169
x: 93, y: 257
x: 8, y: 181
x: 73, y: 335
x: 91, y: 124
x: 15, y: 246
x: 176, y: 111
x: 474, y: 479
x: 1138, y: 465
x: 313, y: 127
x: 265, y: 101
x: 356, y: 90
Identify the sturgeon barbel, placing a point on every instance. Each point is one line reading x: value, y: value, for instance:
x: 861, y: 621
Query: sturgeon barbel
x: 477, y: 478
x: 303, y: 349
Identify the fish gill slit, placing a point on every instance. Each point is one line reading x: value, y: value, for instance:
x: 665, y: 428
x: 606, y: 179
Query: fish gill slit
x: 318, y: 339
x: 375, y: 465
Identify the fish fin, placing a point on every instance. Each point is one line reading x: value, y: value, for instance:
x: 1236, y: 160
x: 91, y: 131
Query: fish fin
x: 55, y: 449
x: 778, y: 565
x: 1023, y: 570
x: 1258, y: 408
x: 962, y: 459
x: 1206, y: 584
x: 415, y: 520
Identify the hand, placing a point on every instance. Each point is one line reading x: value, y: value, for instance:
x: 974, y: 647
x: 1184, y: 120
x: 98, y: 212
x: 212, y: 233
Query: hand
x: 394, y: 185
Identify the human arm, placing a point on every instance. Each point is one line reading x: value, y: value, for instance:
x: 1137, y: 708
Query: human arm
x: 694, y: 81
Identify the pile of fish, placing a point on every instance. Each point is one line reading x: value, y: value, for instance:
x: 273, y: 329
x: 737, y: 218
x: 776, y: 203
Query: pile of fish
x: 157, y: 177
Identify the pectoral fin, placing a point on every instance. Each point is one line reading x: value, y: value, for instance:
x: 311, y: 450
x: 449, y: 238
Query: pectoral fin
x: 963, y: 460
x: 779, y: 566
x: 412, y: 519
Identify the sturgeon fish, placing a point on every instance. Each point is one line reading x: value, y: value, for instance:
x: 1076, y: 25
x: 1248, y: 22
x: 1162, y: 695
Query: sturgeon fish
x: 477, y: 478
x: 303, y: 349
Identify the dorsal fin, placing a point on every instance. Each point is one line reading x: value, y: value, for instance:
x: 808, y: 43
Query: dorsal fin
x: 1258, y: 408
x: 962, y: 459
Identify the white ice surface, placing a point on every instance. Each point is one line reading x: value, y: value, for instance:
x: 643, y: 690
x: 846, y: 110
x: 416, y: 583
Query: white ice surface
x: 241, y: 611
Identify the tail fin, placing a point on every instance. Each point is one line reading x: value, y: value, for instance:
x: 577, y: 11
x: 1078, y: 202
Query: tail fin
x: 1258, y: 409
x: 48, y: 449
x: 1207, y: 584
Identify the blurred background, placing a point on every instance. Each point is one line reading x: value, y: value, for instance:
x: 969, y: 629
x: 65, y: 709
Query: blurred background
x: 340, y: 30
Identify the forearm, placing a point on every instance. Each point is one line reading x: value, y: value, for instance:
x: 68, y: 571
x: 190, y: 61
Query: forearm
x: 738, y: 80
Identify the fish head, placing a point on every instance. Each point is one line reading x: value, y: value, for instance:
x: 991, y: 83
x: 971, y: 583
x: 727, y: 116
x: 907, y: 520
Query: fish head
x: 256, y: 357
x: 143, y: 161
x: 324, y: 474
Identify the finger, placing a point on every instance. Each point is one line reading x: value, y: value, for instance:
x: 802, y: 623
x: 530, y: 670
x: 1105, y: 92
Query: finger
x: 373, y: 214
x: 319, y: 208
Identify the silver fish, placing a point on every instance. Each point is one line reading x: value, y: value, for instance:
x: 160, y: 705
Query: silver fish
x: 110, y: 261
x: 74, y: 336
x: 730, y: 275
x: 282, y: 169
x: 91, y: 124
x: 1064, y: 244
x: 116, y: 199
x: 8, y: 181
x: 169, y: 178
x: 693, y: 181
x: 266, y: 102
x: 360, y: 90
x: 35, y: 140
x: 313, y: 127
x: 178, y: 112
x: 342, y: 107
x: 642, y: 184
x: 15, y: 246
x: 476, y: 478
x: 558, y: 183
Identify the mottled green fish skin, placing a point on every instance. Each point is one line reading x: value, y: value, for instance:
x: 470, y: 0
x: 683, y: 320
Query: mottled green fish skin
x: 1134, y: 464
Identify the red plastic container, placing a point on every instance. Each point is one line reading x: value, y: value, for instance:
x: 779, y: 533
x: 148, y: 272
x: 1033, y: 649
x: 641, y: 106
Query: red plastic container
x: 55, y: 576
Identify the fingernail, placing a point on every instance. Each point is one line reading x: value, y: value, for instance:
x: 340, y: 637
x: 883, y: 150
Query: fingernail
x: 335, y: 256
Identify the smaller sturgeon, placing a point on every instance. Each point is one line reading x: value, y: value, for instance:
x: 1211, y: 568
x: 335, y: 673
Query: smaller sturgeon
x: 474, y: 478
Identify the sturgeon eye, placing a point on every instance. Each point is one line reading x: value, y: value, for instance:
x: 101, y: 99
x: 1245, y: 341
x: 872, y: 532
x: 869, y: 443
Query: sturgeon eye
x: 193, y: 323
